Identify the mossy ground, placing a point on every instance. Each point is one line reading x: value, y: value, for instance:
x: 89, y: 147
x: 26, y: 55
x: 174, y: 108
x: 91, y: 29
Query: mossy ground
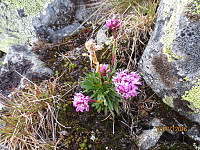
x: 65, y: 58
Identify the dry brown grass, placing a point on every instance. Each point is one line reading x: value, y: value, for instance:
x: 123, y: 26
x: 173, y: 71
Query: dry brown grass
x: 30, y: 121
x: 138, y: 18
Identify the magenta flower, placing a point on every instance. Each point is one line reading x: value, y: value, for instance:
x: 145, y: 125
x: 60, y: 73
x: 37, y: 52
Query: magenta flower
x: 104, y: 69
x: 81, y: 102
x: 113, y: 24
x: 125, y: 84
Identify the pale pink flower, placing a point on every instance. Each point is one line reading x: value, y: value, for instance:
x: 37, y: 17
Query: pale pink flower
x: 81, y: 102
x: 125, y: 84
x: 104, y: 69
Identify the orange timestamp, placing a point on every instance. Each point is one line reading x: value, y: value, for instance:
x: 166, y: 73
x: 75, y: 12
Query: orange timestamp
x: 172, y: 128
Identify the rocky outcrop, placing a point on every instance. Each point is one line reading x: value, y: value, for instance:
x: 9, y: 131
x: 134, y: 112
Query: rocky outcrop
x: 50, y: 21
x: 16, y: 21
x: 24, y: 21
x: 20, y: 64
x: 62, y: 18
x: 171, y: 61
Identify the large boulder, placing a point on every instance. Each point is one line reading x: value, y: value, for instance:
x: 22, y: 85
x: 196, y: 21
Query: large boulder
x: 170, y: 63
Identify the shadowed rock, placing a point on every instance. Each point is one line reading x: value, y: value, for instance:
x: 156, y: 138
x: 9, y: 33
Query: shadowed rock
x: 20, y: 62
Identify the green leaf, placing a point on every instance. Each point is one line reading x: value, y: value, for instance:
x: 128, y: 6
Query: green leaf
x: 100, y: 97
x: 110, y: 104
x: 105, y: 110
x: 99, y: 109
x: 116, y: 107
x: 93, y: 95
x: 114, y: 68
x: 94, y: 104
x: 105, y: 103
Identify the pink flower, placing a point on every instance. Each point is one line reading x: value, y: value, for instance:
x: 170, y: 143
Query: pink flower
x: 81, y: 102
x: 104, y: 69
x: 125, y: 84
x: 113, y: 23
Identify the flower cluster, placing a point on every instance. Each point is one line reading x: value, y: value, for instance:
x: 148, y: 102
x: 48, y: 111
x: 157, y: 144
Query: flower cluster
x: 125, y: 84
x: 113, y: 23
x: 104, y: 69
x: 81, y: 102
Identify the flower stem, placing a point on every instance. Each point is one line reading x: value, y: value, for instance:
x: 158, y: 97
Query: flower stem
x: 92, y: 101
x: 113, y: 125
x: 113, y: 55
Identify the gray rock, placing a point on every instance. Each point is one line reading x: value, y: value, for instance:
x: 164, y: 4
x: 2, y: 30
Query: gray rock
x: 21, y: 63
x: 170, y: 63
x: 194, y: 134
x: 16, y: 21
x: 68, y: 30
x: 63, y: 17
x: 83, y: 12
x: 25, y: 21
x: 101, y: 35
x: 149, y: 138
x: 58, y: 15
x: 155, y: 122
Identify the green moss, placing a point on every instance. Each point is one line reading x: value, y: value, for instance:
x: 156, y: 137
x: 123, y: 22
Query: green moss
x: 168, y: 100
x: 169, y: 27
x: 193, y: 96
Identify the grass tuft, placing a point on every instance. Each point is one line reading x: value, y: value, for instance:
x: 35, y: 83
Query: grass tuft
x: 30, y: 121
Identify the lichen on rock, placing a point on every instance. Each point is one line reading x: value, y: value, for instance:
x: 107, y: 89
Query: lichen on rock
x: 168, y: 100
x: 193, y: 96
x: 173, y: 10
x: 16, y: 21
x: 28, y: 7
x: 192, y: 11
